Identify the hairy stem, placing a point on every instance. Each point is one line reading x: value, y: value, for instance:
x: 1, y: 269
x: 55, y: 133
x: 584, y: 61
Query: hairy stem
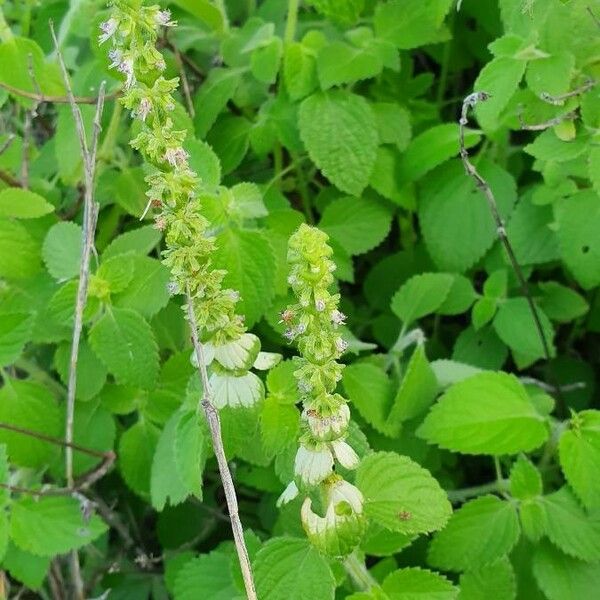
x: 458, y: 496
x: 214, y: 424
x: 292, y: 20
x: 358, y: 572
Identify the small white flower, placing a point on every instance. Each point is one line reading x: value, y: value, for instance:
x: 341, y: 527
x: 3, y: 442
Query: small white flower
x: 176, y: 156
x: 234, y: 295
x: 108, y: 29
x: 341, y: 344
x: 173, y: 288
x: 290, y: 492
x: 300, y: 329
x: 126, y: 67
x: 312, y: 466
x: 115, y: 56
x: 292, y: 280
x: 327, y: 427
x: 342, y: 491
x: 304, y: 387
x: 160, y: 64
x: 163, y: 19
x: 289, y: 335
x: 344, y: 454
x: 320, y: 305
x: 144, y: 109
x: 338, y: 318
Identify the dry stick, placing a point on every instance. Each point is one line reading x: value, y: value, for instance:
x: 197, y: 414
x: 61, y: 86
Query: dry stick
x: 7, y: 142
x: 185, y: 84
x: 469, y: 102
x: 214, y: 424
x: 29, y: 116
x: 90, y: 213
x: 40, y: 97
x: 558, y: 100
x: 570, y: 116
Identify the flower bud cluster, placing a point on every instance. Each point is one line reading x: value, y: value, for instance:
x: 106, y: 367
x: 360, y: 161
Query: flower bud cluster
x: 174, y: 188
x: 313, y: 323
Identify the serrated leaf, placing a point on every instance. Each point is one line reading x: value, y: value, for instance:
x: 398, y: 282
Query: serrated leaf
x: 278, y: 577
x: 26, y: 567
x: 430, y: 149
x: 299, y: 70
x: 339, y: 131
x: 480, y: 532
x: 421, y: 295
x: 23, y: 204
x: 357, y: 224
x: 15, y: 332
x: 489, y: 413
x: 564, y: 578
x: 578, y: 220
x: 401, y: 495
x: 339, y: 63
x: 525, y: 479
x: 415, y: 583
x: 125, y: 343
x: 279, y: 425
x: 52, y: 525
x: 31, y: 406
x: 19, y: 251
x: 282, y: 384
x: 410, y: 23
x: 94, y: 428
x: 204, y: 162
x: 452, y: 208
x: 62, y: 250
x: 496, y: 580
x: 561, y: 303
x: 136, y: 451
x: 393, y: 124
x: 117, y: 272
x: 91, y: 373
x: 515, y: 326
x: 230, y: 140
x: 140, y: 241
x: 570, y: 528
x: 147, y: 291
x: 248, y: 258
x: 208, y: 575
x: 579, y: 454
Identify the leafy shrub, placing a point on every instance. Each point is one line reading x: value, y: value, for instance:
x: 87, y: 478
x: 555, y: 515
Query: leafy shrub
x: 371, y: 227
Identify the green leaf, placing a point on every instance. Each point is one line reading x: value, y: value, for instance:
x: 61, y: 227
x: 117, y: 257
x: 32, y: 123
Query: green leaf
x: 52, y: 525
x: 496, y: 580
x: 229, y: 139
x: 91, y: 374
x: 500, y: 78
x: 525, y: 479
x: 292, y: 569
x: 393, y: 124
x: 94, y: 428
x: 19, y: 251
x: 265, y: 61
x: 205, y: 11
x: 248, y: 259
x: 357, y: 224
x: 460, y: 297
x: 579, y: 454
x: 117, y: 272
x: 282, y: 384
x: 209, y: 576
x: 147, y: 293
x: 299, y: 70
x: 570, y: 528
x: 136, y: 451
x: 339, y: 131
x: 578, y: 219
x: 482, y: 348
x: 62, y: 250
x: 23, y: 204
x: 279, y: 425
x: 548, y: 146
x: 339, y: 63
x: 489, y: 413
x: 421, y: 295
x: 29, y: 405
x: 561, y: 303
x: 418, y: 388
x: 204, y: 162
x: 66, y: 147
x: 562, y: 577
x: 400, y: 495
x: 140, y: 241
x: 480, y: 532
x: 125, y: 343
x: 372, y: 394
x: 411, y: 23
x: 212, y: 97
x: 415, y: 583
x: 515, y: 326
x: 430, y: 149
x: 452, y: 208
x: 15, y: 332
x: 26, y: 567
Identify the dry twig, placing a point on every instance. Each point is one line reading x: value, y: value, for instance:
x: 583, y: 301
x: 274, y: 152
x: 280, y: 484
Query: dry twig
x: 560, y: 100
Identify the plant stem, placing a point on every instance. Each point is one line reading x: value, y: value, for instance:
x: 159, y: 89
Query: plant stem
x: 356, y: 568
x: 214, y: 424
x: 5, y: 31
x: 303, y: 190
x: 292, y: 20
x: 458, y: 496
x: 220, y: 4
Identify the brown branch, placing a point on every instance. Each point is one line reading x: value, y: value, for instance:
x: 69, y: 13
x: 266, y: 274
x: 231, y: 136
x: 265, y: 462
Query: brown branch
x: 7, y: 143
x: 214, y: 424
x: 559, y: 100
x: 38, y: 97
x: 9, y: 179
x: 469, y: 102
x: 570, y: 116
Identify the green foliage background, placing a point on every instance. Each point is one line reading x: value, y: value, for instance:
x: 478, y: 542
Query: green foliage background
x: 343, y: 114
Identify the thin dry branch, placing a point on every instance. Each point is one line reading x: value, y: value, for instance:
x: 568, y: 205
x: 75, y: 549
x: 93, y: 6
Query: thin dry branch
x: 214, y: 424
x: 90, y: 213
x: 469, y: 102
x: 559, y: 100
x: 40, y: 97
x: 570, y: 116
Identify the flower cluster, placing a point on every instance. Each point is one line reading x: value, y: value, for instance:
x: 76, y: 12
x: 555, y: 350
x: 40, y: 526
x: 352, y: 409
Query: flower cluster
x: 313, y: 322
x: 173, y: 192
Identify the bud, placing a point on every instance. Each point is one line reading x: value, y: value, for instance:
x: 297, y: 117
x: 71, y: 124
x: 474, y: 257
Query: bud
x: 290, y: 492
x: 108, y: 29
x: 344, y: 454
x: 341, y: 344
x: 327, y: 427
x: 338, y: 318
x: 163, y: 19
